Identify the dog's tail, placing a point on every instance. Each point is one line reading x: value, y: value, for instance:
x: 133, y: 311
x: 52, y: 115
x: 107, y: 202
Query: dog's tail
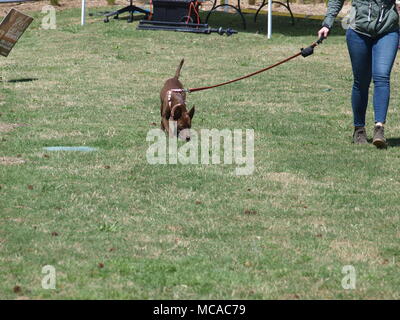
x: 178, y: 71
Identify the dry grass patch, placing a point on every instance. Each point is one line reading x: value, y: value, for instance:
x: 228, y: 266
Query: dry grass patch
x: 350, y: 252
x: 7, y: 127
x: 11, y: 160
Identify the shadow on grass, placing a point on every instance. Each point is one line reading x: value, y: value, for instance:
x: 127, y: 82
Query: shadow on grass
x: 280, y: 24
x: 393, y: 142
x: 20, y: 80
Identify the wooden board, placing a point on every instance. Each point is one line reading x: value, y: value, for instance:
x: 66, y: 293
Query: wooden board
x: 11, y: 29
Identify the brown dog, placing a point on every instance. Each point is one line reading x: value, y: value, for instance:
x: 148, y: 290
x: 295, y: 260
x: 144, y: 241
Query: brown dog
x: 173, y: 106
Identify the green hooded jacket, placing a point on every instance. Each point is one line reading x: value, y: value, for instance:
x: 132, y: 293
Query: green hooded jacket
x: 370, y: 17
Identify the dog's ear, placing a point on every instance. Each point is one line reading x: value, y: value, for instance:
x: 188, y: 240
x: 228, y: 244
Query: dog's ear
x: 176, y: 112
x: 191, y: 113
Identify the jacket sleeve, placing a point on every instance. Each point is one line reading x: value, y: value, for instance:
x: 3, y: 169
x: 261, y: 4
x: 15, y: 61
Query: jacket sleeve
x: 334, y: 7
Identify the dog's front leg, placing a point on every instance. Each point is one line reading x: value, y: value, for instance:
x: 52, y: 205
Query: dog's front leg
x: 165, y: 126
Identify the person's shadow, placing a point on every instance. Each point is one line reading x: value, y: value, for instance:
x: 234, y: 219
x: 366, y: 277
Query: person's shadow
x: 393, y: 142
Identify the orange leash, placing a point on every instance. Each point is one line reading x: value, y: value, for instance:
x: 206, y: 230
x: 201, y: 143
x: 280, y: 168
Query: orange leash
x: 304, y: 52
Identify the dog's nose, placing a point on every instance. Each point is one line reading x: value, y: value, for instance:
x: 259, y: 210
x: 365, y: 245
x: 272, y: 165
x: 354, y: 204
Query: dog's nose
x: 187, y: 138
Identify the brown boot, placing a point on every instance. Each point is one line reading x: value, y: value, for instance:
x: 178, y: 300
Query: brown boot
x: 379, y: 140
x: 360, y: 135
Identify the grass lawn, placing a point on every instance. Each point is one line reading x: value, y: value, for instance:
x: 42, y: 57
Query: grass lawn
x: 114, y: 226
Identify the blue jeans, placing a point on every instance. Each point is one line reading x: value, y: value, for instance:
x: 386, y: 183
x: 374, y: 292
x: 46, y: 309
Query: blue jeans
x: 371, y: 58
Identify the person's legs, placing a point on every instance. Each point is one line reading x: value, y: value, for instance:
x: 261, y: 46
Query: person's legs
x: 360, y: 50
x: 384, y: 50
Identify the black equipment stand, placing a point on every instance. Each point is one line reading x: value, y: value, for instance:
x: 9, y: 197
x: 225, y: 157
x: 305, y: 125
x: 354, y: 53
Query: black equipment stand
x: 183, y: 27
x: 131, y: 9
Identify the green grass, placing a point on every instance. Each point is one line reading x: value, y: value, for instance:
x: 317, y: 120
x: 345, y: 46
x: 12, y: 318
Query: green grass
x: 181, y: 232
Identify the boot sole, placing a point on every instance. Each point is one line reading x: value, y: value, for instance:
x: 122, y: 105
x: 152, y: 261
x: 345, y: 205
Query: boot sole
x: 380, y: 144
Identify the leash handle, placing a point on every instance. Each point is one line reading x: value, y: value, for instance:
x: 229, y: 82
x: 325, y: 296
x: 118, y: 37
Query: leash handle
x: 305, y: 52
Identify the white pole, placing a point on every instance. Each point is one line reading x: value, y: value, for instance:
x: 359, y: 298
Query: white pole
x: 83, y: 12
x: 269, y: 30
x: 226, y: 8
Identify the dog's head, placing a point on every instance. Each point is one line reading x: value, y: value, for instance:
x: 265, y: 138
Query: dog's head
x: 183, y: 120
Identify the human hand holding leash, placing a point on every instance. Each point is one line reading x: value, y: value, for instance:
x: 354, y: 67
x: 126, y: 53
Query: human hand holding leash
x: 323, y: 32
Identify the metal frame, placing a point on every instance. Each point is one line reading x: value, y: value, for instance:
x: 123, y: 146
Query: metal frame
x: 237, y: 8
x: 131, y: 9
x: 265, y: 3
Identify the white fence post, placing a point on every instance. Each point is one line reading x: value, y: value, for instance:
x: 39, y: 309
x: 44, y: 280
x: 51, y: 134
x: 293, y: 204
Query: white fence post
x: 83, y: 12
x: 269, y: 30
